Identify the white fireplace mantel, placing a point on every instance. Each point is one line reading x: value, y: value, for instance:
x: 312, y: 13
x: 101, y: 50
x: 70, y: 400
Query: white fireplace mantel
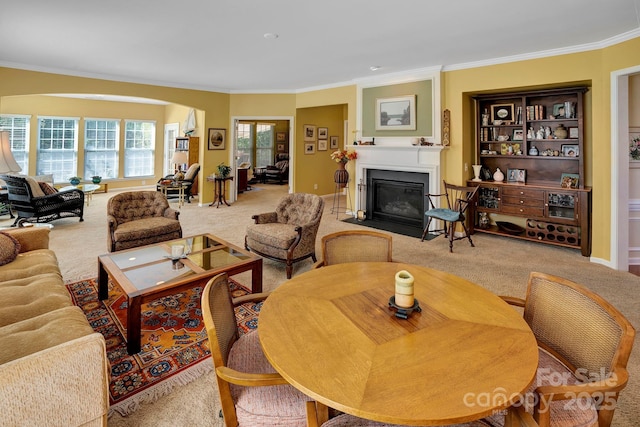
x: 423, y: 159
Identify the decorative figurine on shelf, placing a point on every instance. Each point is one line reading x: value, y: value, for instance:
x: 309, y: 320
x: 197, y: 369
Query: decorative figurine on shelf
x: 476, y: 172
x: 540, y: 133
x: 547, y: 132
x: 533, y: 151
x: 483, y: 220
x: 531, y: 134
x: 485, y: 118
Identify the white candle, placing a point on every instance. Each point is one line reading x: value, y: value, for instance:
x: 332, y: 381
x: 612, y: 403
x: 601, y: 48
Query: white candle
x: 404, y: 289
x: 177, y: 250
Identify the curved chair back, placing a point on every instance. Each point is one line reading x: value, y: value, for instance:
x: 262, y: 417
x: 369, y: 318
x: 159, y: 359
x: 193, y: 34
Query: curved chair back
x: 222, y: 330
x: 134, y: 205
x: 299, y: 209
x: 356, y: 245
x: 582, y: 330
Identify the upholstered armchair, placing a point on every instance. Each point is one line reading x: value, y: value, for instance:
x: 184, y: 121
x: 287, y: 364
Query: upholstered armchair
x: 289, y: 234
x: 190, y: 177
x: 31, y: 203
x: 280, y: 170
x: 138, y: 218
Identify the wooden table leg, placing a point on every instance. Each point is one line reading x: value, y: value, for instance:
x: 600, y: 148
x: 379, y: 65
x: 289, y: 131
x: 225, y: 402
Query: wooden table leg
x: 103, y: 282
x: 133, y: 325
x: 256, y: 278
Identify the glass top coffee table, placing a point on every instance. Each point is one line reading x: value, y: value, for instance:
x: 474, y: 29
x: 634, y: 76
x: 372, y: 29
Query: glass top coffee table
x: 150, y: 272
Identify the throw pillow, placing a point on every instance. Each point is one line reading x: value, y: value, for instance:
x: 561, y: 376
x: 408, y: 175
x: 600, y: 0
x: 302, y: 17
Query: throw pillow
x: 36, y: 191
x: 9, y: 248
x: 47, y: 188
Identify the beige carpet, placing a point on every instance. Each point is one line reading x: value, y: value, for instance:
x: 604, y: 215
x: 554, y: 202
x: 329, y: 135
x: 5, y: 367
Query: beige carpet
x: 501, y: 265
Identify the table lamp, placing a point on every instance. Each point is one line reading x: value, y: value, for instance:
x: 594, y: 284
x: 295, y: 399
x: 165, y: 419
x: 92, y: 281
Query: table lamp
x: 179, y: 158
x: 7, y: 163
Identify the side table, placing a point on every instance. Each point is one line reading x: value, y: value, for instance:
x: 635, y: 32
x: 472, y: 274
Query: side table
x: 219, y: 195
x: 175, y: 185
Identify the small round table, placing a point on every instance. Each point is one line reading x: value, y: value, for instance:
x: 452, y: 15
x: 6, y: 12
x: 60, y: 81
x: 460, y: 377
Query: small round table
x: 175, y: 185
x: 219, y: 195
x: 88, y: 190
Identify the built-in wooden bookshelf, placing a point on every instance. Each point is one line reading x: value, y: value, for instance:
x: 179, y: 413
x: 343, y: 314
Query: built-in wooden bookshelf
x: 542, y: 134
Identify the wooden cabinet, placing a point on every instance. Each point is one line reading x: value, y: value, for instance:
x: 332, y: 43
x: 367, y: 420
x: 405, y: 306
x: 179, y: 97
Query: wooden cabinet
x: 190, y: 144
x: 541, y: 133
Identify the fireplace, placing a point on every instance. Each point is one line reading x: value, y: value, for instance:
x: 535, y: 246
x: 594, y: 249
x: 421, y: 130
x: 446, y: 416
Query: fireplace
x: 392, y: 181
x: 397, y: 197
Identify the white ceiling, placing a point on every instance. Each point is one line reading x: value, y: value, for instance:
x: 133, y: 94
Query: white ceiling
x: 218, y: 45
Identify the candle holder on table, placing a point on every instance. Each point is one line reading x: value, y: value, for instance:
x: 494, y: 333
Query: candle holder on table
x: 404, y: 301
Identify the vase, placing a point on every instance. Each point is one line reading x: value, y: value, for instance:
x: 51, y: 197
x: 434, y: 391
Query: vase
x: 476, y: 172
x: 341, y: 175
x: 96, y: 180
x: 498, y: 176
x: 74, y: 181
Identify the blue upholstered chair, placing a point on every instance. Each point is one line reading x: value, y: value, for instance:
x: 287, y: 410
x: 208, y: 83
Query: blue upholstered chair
x: 458, y: 201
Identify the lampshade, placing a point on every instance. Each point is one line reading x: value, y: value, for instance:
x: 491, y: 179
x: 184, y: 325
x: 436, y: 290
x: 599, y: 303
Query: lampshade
x: 7, y: 162
x: 179, y: 157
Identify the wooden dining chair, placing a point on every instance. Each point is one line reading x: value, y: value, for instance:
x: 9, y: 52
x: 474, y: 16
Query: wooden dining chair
x: 582, y: 338
x: 458, y: 200
x: 355, y: 246
x: 251, y: 392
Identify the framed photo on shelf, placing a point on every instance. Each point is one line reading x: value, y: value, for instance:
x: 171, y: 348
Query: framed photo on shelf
x: 573, y: 133
x: 333, y: 142
x: 558, y: 110
x: 322, y: 145
x: 397, y: 113
x: 502, y: 112
x: 322, y: 133
x: 516, y: 175
x: 570, y: 150
x: 518, y: 135
x: 281, y: 136
x: 310, y: 148
x: 217, y: 139
x: 569, y: 180
x: 309, y: 134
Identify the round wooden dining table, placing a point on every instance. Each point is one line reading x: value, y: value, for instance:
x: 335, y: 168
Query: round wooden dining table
x: 331, y: 334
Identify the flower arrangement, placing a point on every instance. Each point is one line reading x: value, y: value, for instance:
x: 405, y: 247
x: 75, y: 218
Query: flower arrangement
x: 634, y: 148
x: 343, y: 156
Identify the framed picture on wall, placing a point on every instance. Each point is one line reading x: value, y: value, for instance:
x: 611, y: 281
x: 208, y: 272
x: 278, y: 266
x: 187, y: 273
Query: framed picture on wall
x: 322, y: 133
x: 280, y: 148
x: 397, y: 113
x: 310, y: 148
x: 217, y: 139
x: 281, y: 136
x: 322, y: 145
x: 309, y: 134
x: 333, y: 142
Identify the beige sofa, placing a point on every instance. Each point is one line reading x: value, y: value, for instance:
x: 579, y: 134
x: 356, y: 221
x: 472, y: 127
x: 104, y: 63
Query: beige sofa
x: 53, y: 366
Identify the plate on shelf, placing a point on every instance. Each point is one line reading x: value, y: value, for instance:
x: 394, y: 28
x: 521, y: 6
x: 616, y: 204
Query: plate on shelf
x: 509, y: 227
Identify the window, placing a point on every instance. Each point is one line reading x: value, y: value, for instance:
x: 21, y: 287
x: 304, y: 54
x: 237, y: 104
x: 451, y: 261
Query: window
x: 57, y: 147
x: 18, y: 127
x: 101, y: 148
x: 245, y: 144
x: 139, y: 144
x: 264, y: 143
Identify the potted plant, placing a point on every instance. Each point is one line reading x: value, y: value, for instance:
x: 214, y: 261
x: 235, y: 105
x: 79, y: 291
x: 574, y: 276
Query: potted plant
x: 75, y: 180
x: 223, y: 170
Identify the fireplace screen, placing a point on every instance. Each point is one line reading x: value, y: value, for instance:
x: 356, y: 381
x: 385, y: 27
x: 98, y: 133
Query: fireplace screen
x: 397, y: 197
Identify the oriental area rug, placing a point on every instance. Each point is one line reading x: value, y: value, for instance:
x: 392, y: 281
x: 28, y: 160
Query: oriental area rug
x: 175, y: 348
